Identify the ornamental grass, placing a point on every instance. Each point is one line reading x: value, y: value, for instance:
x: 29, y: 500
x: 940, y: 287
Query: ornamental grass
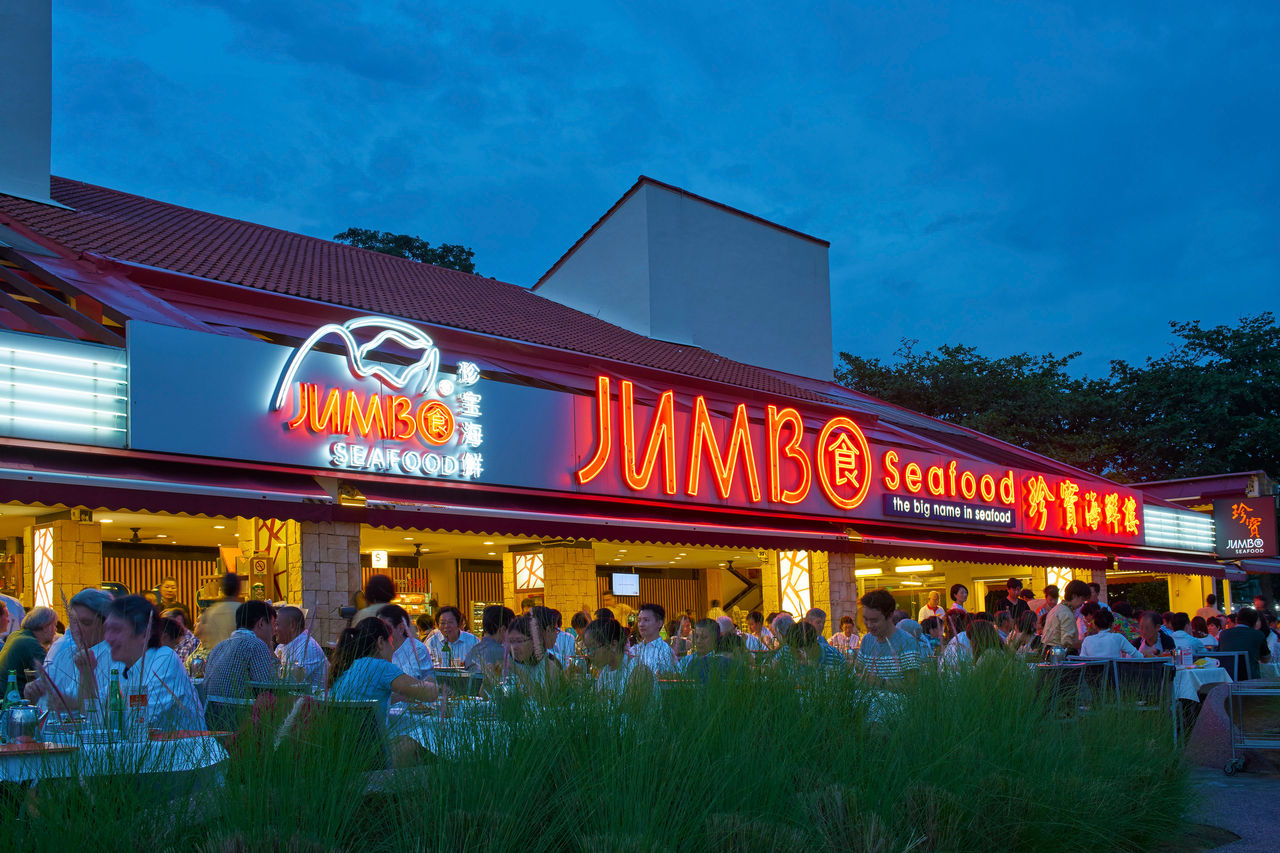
x: 972, y: 761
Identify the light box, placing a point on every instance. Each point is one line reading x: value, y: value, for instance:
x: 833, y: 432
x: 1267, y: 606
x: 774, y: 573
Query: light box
x: 624, y: 584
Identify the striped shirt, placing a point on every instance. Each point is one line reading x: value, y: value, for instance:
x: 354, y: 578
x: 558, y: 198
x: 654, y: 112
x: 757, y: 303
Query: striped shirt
x: 891, y: 658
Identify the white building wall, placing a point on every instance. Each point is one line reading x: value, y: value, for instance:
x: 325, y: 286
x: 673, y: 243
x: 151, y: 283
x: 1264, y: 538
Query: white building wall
x: 675, y: 267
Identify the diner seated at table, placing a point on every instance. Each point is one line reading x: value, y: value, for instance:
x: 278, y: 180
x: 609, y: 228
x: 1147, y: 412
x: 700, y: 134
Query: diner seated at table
x: 450, y: 646
x: 1213, y: 626
x: 132, y: 632
x: 362, y: 668
x: 914, y: 629
x: 985, y: 643
x: 1245, y: 637
x: 1005, y: 623
x: 1024, y: 639
x: 562, y: 644
x: 1105, y: 643
x: 886, y: 656
x: 1155, y: 643
x: 1179, y: 623
x: 486, y: 656
x: 407, y: 651
x: 244, y: 656
x: 188, y: 642
x: 538, y: 673
x: 86, y: 612
x: 703, y: 663
x: 301, y: 658
x: 1268, y: 626
x: 26, y: 647
x: 1200, y: 630
x: 957, y: 649
x: 620, y: 676
x: 931, y: 630
x: 758, y: 638
x: 652, y: 651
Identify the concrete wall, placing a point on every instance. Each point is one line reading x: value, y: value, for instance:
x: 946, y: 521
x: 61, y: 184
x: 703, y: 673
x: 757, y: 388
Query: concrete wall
x: 26, y: 42
x: 674, y: 267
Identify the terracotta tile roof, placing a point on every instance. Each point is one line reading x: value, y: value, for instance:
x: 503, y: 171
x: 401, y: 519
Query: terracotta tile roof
x: 145, y: 231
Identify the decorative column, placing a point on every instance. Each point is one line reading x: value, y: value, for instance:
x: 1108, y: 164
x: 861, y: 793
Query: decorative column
x: 844, y: 587
x: 770, y: 588
x: 569, y: 578
x: 61, y: 558
x: 325, y: 558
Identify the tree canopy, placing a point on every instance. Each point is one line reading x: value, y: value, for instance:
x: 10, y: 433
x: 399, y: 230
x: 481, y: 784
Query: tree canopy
x: 414, y: 248
x: 1209, y: 406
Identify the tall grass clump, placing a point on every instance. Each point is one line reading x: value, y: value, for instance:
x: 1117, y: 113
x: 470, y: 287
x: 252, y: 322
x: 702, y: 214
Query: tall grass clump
x: 963, y: 761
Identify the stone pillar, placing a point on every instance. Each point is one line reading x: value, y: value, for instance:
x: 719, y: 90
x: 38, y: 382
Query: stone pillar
x: 844, y: 588
x: 67, y: 553
x: 509, y: 597
x: 819, y: 584
x: 325, y: 556
x: 770, y: 583
x: 570, y: 577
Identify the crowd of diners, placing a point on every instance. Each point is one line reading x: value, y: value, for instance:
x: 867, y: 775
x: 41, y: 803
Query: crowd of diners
x: 150, y: 646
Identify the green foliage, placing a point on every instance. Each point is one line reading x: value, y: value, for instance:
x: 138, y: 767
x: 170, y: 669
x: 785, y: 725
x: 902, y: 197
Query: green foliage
x: 758, y: 764
x: 454, y: 257
x: 1210, y: 406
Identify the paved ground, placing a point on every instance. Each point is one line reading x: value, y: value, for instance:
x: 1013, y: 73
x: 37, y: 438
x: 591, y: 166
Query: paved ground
x: 1247, y: 804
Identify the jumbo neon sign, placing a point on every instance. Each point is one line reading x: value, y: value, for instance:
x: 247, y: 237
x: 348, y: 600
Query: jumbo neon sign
x: 837, y: 456
x: 431, y: 428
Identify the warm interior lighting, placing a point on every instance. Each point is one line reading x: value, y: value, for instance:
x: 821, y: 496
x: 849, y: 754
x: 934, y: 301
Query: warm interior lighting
x: 911, y: 583
x: 866, y: 573
x: 924, y: 567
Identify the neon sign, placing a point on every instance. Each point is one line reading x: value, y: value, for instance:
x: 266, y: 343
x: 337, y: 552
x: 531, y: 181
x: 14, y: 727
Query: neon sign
x: 839, y: 453
x: 431, y: 428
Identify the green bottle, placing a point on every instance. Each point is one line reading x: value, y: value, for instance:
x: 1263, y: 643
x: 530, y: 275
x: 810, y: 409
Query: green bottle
x: 115, y: 704
x: 11, y: 695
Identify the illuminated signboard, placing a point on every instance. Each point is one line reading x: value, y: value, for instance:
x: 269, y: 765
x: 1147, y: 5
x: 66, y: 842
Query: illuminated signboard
x: 772, y: 456
x: 1246, y: 527
x: 413, y: 418
x: 58, y: 390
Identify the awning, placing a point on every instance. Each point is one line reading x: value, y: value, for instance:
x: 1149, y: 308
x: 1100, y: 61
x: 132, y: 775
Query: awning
x: 121, y: 482
x: 1261, y: 566
x: 1160, y: 566
x: 974, y: 550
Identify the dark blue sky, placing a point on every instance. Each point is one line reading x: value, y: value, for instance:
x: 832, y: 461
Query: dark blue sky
x: 1021, y: 177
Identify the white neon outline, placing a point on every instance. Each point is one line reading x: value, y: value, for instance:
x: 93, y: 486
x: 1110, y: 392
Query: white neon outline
x: 421, y: 375
x: 11, y: 401
x: 25, y: 369
x: 12, y: 384
x: 71, y: 424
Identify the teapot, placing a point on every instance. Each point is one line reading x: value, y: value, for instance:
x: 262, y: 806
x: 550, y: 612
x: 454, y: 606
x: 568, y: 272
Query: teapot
x: 21, y: 721
x: 1057, y: 654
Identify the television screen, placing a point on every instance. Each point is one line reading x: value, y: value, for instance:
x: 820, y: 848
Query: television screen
x: 626, y: 584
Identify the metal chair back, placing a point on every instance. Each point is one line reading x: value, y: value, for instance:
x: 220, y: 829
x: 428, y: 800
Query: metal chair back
x: 1235, y: 663
x: 226, y: 713
x: 1143, y: 681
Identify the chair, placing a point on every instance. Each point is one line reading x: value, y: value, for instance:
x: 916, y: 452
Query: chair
x: 226, y: 713
x: 460, y: 683
x: 1143, y: 682
x: 1097, y: 677
x: 1235, y: 663
x: 1060, y: 683
x: 350, y: 734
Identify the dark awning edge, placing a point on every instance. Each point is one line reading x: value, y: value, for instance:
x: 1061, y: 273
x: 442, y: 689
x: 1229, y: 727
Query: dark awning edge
x: 969, y: 551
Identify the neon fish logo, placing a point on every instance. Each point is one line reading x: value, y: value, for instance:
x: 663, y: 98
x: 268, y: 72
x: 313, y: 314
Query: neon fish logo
x: 415, y: 378
x: 447, y: 424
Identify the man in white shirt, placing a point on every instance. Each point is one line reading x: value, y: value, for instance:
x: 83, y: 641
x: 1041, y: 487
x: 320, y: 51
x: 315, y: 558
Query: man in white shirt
x: 562, y: 647
x: 1179, y: 622
x: 758, y: 638
x: 300, y: 655
x: 86, y: 610
x: 451, y: 639
x: 652, y: 651
x: 172, y: 703
x: 1106, y: 643
x: 407, y: 651
x: 1210, y: 608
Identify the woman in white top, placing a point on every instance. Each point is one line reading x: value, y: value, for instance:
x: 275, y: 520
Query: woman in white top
x: 621, y: 676
x: 1105, y: 643
x: 931, y: 608
x: 959, y: 595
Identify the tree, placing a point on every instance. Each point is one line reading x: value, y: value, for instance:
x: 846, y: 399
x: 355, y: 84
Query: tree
x: 1210, y: 406
x: 414, y: 248
x: 1027, y: 400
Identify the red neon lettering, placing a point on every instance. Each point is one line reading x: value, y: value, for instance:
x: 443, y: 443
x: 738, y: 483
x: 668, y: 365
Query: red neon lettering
x: 987, y: 485
x: 661, y: 438
x: 306, y: 402
x: 364, y: 420
x: 604, y: 434
x: 739, y: 445
x: 969, y: 485
x: 913, y: 477
x: 403, y: 425
x: 891, y: 476
x: 937, y: 481
x: 329, y: 418
x: 435, y: 422
x: 850, y: 459
x: 774, y: 420
x: 1006, y: 488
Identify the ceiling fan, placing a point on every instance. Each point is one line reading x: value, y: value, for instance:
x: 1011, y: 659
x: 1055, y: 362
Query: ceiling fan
x: 136, y: 539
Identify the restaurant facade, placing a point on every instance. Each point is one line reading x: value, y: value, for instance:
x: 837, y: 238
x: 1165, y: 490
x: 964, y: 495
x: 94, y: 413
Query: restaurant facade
x: 183, y: 394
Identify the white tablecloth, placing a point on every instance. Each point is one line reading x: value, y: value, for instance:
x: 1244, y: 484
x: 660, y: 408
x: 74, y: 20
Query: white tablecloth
x: 1270, y: 671
x: 114, y: 759
x: 1187, y: 682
